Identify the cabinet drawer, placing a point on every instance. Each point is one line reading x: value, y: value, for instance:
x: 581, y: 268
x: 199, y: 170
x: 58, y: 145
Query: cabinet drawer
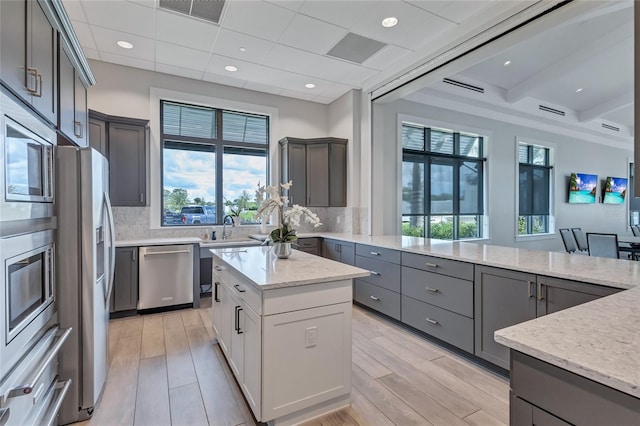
x: 438, y: 265
x: 307, y: 242
x: 445, y: 292
x: 383, y: 274
x: 445, y: 325
x: 246, y: 291
x: 388, y: 255
x: 380, y: 299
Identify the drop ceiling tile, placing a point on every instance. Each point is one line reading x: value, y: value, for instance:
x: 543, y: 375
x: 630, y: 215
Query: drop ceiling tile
x: 415, y: 26
x: 334, y: 91
x: 298, y: 95
x: 294, y: 5
x: 386, y: 56
x: 143, y: 48
x: 221, y: 79
x: 306, y: 63
x: 323, y: 100
x: 265, y: 88
x: 167, y: 53
x: 121, y: 16
x: 146, y: 3
x: 433, y: 6
x: 459, y: 11
x: 311, y: 34
x: 257, y: 18
x: 127, y: 61
x: 83, y: 32
x: 342, y: 13
x: 229, y: 43
x: 185, y: 31
x: 74, y: 10
x: 179, y: 71
x: 91, y: 53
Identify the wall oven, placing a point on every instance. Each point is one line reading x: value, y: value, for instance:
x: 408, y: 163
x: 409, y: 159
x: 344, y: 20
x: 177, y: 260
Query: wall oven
x: 27, y: 159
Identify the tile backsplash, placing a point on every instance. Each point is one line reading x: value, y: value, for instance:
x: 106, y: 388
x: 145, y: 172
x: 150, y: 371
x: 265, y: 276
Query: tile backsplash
x: 134, y: 223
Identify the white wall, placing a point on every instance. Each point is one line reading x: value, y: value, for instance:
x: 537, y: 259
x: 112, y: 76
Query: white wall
x: 570, y: 155
x: 126, y: 91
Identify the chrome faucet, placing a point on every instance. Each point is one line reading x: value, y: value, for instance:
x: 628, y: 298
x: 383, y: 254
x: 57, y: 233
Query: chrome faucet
x: 224, y: 226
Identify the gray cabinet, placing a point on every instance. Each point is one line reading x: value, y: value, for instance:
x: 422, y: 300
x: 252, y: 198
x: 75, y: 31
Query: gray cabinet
x: 543, y: 394
x: 28, y: 46
x: 309, y: 245
x: 339, y: 251
x: 125, y: 285
x: 123, y: 141
x: 318, y: 169
x: 504, y: 298
x: 72, y: 98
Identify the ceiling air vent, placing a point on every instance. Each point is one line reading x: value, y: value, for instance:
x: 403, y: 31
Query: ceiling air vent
x: 463, y: 85
x: 355, y: 48
x: 610, y: 127
x: 209, y: 10
x: 551, y: 110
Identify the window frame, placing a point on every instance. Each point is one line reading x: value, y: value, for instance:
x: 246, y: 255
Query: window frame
x: 456, y: 160
x: 219, y: 144
x: 550, y: 217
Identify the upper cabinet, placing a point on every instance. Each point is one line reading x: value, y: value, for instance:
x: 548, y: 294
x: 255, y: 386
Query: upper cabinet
x: 41, y: 62
x: 28, y: 51
x: 318, y: 169
x: 73, y: 101
x: 124, y: 142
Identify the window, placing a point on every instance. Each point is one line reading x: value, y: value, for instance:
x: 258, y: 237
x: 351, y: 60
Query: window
x: 442, y: 183
x: 534, y: 170
x: 212, y: 161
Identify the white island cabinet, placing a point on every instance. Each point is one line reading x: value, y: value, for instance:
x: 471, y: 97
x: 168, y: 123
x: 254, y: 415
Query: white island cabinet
x: 284, y: 326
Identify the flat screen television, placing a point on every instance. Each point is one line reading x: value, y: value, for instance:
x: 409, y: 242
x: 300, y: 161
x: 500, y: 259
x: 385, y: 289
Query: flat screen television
x: 582, y: 188
x: 615, y: 190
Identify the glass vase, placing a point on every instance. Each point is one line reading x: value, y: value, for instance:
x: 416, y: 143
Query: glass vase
x: 282, y: 250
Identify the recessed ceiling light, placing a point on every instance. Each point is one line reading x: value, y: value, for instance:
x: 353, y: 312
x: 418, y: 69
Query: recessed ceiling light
x: 309, y: 85
x: 506, y: 64
x: 125, y: 44
x: 243, y: 49
x: 231, y: 68
x: 389, y: 22
x: 579, y: 90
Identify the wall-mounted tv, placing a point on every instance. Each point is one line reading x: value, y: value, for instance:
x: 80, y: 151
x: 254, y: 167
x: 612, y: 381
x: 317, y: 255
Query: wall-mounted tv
x: 615, y: 190
x: 582, y: 188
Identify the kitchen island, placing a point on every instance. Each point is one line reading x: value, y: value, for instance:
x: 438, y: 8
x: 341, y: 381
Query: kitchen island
x: 284, y: 326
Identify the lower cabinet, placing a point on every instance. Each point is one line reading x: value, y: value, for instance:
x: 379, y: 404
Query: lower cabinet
x: 339, y: 251
x: 124, y: 296
x: 309, y: 245
x: 382, y: 300
x: 522, y: 413
x: 504, y: 298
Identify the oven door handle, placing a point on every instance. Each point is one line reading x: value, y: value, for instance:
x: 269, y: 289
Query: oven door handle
x: 112, y: 260
x: 27, y: 388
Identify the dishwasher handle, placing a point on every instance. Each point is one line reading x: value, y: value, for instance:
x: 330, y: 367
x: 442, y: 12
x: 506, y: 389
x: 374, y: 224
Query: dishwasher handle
x: 153, y: 253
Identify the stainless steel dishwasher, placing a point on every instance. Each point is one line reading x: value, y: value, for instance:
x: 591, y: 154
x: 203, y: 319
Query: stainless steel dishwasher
x: 166, y: 276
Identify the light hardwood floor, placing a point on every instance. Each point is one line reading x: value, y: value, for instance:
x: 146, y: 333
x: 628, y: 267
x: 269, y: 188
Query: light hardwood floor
x: 167, y: 370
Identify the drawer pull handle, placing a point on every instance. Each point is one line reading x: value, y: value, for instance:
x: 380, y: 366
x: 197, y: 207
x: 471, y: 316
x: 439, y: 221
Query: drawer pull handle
x: 374, y: 273
x: 237, y: 286
x: 529, y: 292
x: 432, y: 321
x: 215, y: 291
x: 217, y: 268
x: 374, y: 298
x: 375, y: 253
x: 540, y: 292
x: 432, y: 290
x: 431, y: 265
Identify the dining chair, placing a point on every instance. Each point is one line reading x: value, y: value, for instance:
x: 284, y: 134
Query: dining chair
x: 581, y: 240
x: 568, y: 240
x: 636, y: 230
x: 603, y: 245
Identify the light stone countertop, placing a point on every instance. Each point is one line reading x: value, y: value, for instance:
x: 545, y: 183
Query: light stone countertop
x: 599, y: 340
x: 157, y: 241
x: 266, y: 271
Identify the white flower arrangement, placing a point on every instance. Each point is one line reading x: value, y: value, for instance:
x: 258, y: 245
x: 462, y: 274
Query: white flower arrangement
x: 270, y: 198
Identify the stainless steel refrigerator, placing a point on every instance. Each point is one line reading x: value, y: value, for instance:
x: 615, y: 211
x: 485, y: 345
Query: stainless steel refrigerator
x: 85, y: 268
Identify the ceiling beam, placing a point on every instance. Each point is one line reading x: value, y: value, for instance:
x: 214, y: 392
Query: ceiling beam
x: 606, y: 107
x: 570, y: 62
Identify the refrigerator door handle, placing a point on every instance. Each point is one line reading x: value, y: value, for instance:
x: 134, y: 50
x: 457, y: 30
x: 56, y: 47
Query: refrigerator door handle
x: 112, y: 260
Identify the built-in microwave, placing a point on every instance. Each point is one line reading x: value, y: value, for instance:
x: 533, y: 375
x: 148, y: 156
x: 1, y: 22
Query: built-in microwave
x: 26, y: 152
x: 27, y: 292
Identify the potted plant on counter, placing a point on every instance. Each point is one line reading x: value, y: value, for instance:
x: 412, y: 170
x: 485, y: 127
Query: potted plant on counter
x: 270, y: 199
